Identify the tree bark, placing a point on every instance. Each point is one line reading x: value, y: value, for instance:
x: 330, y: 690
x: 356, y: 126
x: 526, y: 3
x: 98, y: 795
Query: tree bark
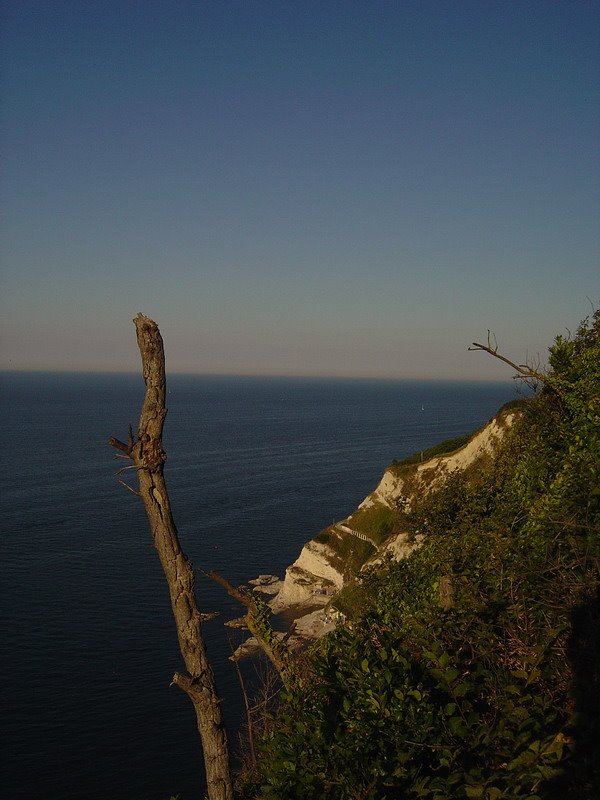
x: 148, y: 459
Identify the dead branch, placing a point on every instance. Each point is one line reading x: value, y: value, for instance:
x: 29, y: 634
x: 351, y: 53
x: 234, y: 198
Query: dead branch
x: 148, y: 458
x: 257, y: 622
x: 128, y: 487
x: 125, y: 448
x: 237, y: 594
x: 248, y: 711
x: 524, y: 371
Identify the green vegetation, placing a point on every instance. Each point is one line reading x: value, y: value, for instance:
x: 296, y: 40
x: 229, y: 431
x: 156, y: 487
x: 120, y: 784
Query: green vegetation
x: 351, y: 552
x: 452, y: 445
x: 471, y: 668
x: 442, y: 449
x: 376, y: 521
x: 352, y: 599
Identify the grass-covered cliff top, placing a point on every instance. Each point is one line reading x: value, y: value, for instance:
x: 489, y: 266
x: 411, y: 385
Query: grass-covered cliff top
x: 381, y: 518
x: 449, y: 446
x: 470, y: 669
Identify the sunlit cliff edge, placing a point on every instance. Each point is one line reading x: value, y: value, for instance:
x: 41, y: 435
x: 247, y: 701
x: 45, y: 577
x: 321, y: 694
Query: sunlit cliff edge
x: 374, y: 531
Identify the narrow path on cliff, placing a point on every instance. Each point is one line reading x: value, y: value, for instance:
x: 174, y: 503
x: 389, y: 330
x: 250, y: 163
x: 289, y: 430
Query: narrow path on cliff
x: 363, y: 536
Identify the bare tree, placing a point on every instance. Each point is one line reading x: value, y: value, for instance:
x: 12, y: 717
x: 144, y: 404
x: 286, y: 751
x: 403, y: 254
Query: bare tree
x: 526, y: 372
x: 148, y: 457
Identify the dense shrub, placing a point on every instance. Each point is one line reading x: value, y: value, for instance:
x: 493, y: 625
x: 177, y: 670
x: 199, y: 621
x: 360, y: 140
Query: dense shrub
x: 471, y: 669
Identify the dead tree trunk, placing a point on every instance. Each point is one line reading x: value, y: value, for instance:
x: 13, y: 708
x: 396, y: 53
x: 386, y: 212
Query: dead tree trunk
x: 148, y: 458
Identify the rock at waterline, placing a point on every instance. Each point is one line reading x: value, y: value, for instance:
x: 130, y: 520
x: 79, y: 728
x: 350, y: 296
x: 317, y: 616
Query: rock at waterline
x: 266, y: 584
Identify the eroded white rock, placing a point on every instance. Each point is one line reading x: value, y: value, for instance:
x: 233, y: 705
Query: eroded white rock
x: 318, y: 570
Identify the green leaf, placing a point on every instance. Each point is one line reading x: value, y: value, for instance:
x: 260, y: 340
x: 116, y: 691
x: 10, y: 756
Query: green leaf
x: 512, y: 689
x: 457, y: 726
x: 461, y: 690
x: 444, y: 660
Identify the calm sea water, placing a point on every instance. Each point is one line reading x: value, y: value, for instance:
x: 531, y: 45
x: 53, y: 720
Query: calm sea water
x: 256, y: 467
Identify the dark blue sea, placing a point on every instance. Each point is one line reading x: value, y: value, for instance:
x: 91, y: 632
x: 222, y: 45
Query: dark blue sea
x: 255, y: 468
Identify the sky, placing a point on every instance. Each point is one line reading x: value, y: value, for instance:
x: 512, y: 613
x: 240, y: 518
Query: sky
x: 298, y: 188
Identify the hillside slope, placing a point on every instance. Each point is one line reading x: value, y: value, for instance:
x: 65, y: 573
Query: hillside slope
x: 470, y: 668
x: 337, y: 554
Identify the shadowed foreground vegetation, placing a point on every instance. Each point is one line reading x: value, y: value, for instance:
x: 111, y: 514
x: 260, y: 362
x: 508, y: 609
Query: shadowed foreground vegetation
x: 470, y: 669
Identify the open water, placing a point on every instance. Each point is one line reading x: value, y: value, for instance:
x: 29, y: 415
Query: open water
x: 256, y: 467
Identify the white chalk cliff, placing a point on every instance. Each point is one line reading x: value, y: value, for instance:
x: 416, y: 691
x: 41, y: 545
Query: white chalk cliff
x: 428, y: 475
x: 313, y: 577
x: 320, y: 571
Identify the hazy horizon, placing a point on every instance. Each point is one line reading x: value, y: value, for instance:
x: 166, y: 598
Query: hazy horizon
x: 266, y: 376
x: 358, y: 189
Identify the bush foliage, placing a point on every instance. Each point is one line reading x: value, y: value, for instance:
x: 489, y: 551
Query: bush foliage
x: 470, y: 669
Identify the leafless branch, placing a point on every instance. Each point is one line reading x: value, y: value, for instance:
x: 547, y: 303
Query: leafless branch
x: 127, y: 486
x: 274, y: 647
x: 524, y: 372
x: 125, y: 448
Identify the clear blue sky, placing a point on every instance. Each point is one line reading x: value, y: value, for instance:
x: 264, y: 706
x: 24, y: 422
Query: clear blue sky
x: 333, y: 188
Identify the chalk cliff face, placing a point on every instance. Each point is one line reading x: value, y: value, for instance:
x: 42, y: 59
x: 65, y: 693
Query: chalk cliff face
x: 407, y: 484
x: 319, y: 571
x: 312, y: 578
